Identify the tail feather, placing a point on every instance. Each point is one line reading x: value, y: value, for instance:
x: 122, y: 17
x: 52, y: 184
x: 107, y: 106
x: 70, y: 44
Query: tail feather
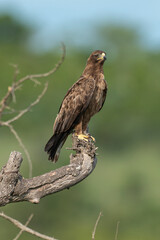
x: 54, y: 146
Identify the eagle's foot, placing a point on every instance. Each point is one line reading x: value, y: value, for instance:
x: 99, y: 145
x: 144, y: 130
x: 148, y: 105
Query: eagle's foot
x: 83, y: 137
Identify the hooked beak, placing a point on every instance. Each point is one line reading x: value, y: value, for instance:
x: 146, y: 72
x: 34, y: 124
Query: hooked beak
x: 102, y: 57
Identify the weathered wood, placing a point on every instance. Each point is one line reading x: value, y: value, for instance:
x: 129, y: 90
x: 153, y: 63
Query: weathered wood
x: 15, y: 188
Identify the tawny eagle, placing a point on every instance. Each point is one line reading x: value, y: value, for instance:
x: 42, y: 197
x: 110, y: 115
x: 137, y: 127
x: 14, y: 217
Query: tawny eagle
x: 84, y: 99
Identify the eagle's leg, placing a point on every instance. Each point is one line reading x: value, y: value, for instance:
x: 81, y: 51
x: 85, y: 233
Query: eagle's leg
x: 79, y: 132
x: 85, y: 130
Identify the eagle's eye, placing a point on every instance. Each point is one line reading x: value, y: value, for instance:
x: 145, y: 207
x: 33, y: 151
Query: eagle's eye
x: 96, y: 55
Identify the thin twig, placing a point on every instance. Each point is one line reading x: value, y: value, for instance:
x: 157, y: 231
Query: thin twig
x: 117, y: 228
x: 95, y: 226
x: 3, y: 102
x: 17, y: 84
x: 11, y: 93
x: 26, y: 224
x: 36, y: 82
x: 14, y: 80
x: 22, y: 145
x: 22, y: 112
x: 26, y: 229
x: 10, y: 110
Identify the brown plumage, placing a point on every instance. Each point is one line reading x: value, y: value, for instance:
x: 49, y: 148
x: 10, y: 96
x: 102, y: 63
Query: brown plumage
x: 84, y: 99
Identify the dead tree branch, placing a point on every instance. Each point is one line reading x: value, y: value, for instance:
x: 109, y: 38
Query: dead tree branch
x: 10, y: 96
x: 23, y: 146
x: 22, y: 112
x: 26, y: 224
x: 15, y: 188
x: 25, y: 228
x: 17, y: 83
x: 7, y: 124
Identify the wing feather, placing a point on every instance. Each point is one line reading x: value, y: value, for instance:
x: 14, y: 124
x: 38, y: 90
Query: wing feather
x: 104, y: 95
x: 74, y: 104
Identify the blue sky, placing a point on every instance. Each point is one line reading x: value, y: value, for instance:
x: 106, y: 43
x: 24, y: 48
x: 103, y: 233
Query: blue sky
x: 75, y: 21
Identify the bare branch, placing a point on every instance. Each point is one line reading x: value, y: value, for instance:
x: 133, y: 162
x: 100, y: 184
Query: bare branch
x: 26, y: 229
x: 22, y: 145
x: 26, y: 224
x: 11, y: 93
x: 14, y: 80
x: 95, y: 226
x: 3, y: 102
x: 10, y: 110
x: 36, y: 82
x: 22, y: 112
x: 17, y: 83
x: 17, y: 189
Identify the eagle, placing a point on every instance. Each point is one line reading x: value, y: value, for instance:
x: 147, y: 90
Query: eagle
x: 83, y: 100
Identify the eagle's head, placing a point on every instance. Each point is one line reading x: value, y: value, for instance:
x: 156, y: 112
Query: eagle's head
x: 97, y: 56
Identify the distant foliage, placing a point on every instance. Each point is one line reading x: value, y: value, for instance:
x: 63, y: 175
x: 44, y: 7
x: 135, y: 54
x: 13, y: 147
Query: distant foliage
x: 12, y: 30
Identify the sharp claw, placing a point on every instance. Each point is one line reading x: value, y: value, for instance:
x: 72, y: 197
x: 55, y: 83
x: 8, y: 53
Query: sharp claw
x: 83, y: 137
x: 93, y: 139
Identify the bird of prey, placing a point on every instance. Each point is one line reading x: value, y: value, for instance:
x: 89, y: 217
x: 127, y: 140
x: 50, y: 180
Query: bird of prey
x: 84, y: 99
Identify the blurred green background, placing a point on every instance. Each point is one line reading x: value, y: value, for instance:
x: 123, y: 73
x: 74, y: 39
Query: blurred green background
x: 125, y: 183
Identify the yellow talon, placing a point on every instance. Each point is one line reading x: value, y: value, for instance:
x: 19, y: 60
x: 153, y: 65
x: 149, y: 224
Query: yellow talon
x: 83, y: 137
x: 93, y: 139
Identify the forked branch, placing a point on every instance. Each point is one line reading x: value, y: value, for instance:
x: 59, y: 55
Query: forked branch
x: 17, y: 83
x: 25, y: 228
x: 10, y: 96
